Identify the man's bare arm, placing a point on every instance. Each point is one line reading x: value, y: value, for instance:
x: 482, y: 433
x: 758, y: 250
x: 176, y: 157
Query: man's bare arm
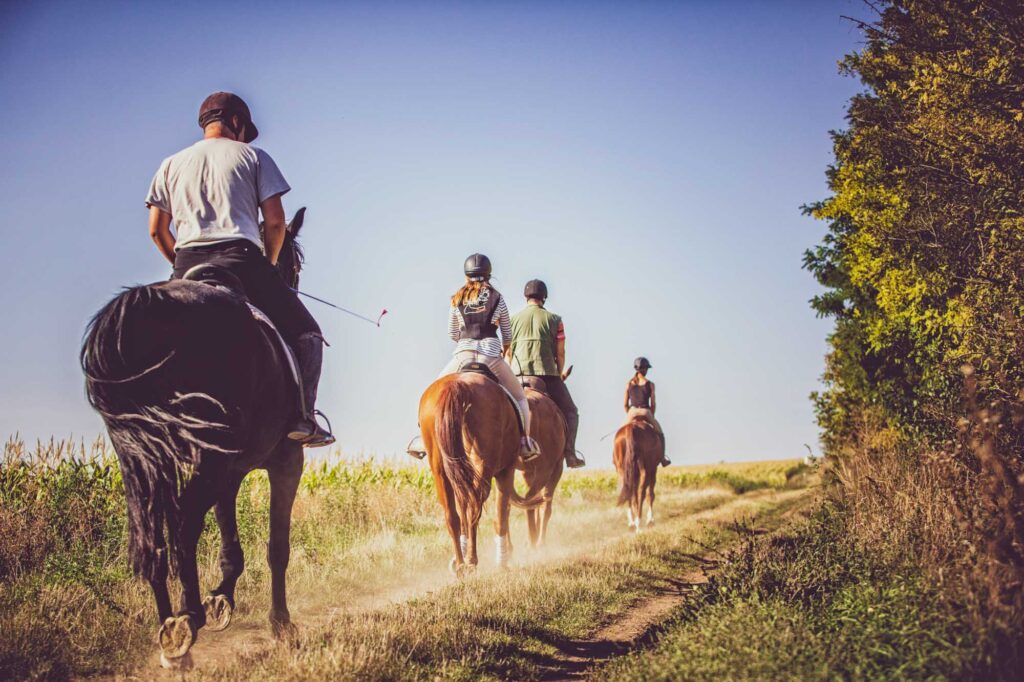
x: 273, y: 227
x: 625, y: 404
x: 160, y: 231
x: 654, y: 403
x: 560, y: 357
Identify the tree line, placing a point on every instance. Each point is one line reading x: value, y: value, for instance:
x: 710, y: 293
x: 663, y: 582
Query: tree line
x: 923, y: 261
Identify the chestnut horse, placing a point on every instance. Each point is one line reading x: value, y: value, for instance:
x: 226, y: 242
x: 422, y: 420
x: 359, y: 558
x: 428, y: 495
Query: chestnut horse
x: 547, y: 426
x: 638, y: 452
x: 471, y: 433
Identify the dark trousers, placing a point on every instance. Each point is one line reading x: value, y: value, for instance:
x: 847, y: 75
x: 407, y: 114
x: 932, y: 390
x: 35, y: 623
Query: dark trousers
x: 263, y: 284
x: 559, y: 394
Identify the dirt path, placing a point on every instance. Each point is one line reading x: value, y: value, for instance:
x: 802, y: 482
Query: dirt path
x: 637, y: 627
x: 632, y: 630
x: 249, y: 635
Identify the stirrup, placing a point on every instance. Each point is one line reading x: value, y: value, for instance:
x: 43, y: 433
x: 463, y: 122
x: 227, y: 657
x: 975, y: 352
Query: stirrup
x: 531, y: 452
x: 413, y: 452
x: 575, y: 460
x: 318, y: 437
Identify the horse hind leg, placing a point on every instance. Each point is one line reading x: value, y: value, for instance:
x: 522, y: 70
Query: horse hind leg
x: 470, y: 515
x: 546, y: 518
x: 284, y: 478
x: 650, y: 503
x: 532, y: 522
x: 178, y: 632
x: 502, y: 541
x: 220, y: 603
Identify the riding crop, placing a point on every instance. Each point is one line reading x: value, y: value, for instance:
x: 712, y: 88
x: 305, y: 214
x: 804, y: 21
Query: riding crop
x: 344, y: 310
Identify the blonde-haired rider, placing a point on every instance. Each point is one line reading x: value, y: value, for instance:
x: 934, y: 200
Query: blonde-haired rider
x: 477, y: 314
x: 640, y: 402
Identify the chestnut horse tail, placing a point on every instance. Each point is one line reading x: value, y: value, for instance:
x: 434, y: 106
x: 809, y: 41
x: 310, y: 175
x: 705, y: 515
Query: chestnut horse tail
x: 532, y: 500
x: 630, y: 465
x: 452, y: 404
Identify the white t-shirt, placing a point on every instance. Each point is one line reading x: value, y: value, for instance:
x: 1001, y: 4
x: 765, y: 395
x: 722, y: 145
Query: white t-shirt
x: 213, y: 190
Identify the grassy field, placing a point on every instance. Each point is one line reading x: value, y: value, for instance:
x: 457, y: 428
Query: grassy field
x: 368, y: 581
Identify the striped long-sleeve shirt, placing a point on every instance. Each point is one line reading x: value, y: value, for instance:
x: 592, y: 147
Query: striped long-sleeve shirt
x: 490, y: 347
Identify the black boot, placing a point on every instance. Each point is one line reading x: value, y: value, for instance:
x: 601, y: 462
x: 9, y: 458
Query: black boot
x: 309, y: 352
x: 574, y: 461
x: 665, y: 461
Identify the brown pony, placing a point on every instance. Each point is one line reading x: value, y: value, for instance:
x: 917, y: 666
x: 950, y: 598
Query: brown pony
x: 638, y: 452
x: 547, y: 426
x: 471, y: 433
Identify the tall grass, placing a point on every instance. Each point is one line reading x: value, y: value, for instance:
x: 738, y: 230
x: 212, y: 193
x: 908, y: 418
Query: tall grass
x: 69, y: 605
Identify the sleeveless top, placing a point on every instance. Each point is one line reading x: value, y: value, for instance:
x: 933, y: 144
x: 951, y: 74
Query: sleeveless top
x: 535, y: 342
x: 640, y: 395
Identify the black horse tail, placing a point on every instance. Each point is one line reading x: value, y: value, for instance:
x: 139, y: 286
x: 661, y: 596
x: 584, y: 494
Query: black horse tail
x: 130, y: 359
x: 448, y: 424
x: 630, y: 465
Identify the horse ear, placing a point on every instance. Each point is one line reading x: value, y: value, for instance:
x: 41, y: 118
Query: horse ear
x: 296, y: 224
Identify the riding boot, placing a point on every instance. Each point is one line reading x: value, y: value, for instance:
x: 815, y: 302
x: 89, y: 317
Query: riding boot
x: 309, y: 352
x: 529, y: 450
x: 665, y: 461
x: 572, y: 459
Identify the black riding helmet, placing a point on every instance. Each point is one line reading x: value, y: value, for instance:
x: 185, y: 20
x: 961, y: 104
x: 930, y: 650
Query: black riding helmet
x: 478, y: 267
x: 535, y: 288
x: 221, y: 106
x: 641, y: 363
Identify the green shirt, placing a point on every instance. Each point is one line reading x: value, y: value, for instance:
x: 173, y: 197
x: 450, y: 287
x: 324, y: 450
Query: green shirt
x: 535, y: 342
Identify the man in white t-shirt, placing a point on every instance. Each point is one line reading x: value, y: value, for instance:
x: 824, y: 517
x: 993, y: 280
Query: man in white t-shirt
x: 214, y: 192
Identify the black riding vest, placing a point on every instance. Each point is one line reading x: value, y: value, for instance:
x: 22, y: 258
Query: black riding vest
x: 478, y: 316
x: 640, y: 395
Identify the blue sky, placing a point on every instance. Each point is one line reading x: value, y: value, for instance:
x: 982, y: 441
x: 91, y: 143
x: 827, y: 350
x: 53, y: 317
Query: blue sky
x: 647, y: 160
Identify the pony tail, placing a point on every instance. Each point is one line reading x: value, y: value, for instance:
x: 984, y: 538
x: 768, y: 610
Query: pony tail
x: 630, y: 465
x: 470, y: 292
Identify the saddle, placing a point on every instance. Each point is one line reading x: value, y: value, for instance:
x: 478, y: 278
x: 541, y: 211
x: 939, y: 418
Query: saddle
x: 218, y: 276
x: 483, y: 370
x: 536, y: 383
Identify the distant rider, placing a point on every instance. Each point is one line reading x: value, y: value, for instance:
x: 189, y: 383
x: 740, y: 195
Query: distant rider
x: 641, y: 403
x: 537, y: 351
x: 213, y: 191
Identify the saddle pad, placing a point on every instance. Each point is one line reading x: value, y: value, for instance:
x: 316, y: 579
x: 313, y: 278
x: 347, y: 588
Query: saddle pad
x: 293, y: 364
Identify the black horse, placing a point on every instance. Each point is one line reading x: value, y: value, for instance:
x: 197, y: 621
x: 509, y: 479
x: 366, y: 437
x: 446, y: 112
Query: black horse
x: 195, y: 394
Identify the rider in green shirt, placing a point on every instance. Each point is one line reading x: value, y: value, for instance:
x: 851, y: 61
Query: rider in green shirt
x: 537, y: 355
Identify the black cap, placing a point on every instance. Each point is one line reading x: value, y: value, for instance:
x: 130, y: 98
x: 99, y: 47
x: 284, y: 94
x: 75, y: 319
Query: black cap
x: 535, y: 288
x: 641, y: 363
x: 478, y: 267
x: 221, y: 106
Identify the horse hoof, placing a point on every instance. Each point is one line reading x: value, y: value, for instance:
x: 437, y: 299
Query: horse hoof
x: 452, y: 568
x: 284, y: 630
x: 181, y: 663
x: 218, y: 612
x: 177, y: 635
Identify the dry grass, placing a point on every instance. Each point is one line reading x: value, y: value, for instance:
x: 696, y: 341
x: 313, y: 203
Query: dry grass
x: 955, y: 515
x: 364, y: 536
